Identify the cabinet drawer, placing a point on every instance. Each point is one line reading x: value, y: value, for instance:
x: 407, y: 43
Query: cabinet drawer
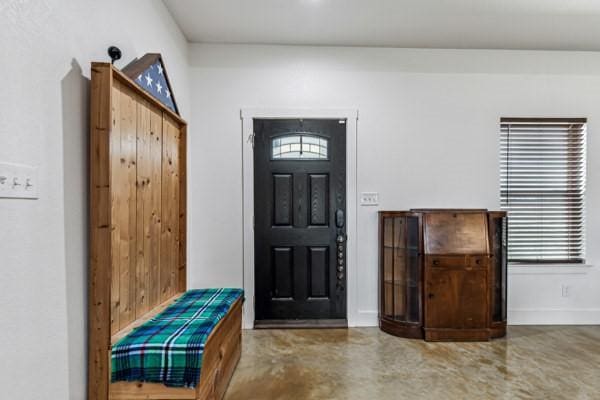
x: 447, y: 261
x: 478, y: 261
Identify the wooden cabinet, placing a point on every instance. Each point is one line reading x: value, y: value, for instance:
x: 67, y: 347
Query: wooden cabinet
x: 443, y: 274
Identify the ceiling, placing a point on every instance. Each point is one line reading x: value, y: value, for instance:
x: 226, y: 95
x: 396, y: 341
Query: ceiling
x: 489, y: 24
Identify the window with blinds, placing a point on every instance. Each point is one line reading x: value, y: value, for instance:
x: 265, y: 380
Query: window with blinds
x: 542, y: 186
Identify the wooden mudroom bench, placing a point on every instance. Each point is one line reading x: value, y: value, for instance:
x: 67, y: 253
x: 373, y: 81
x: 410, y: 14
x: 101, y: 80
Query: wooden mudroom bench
x: 138, y: 247
x: 222, y: 351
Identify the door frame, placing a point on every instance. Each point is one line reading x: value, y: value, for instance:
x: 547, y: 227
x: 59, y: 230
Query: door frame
x: 248, y: 115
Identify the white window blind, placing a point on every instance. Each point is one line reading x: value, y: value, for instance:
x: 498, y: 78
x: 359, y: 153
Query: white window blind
x: 542, y: 186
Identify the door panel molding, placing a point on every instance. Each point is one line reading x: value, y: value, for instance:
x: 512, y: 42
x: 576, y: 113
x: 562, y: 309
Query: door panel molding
x: 282, y: 286
x: 318, y: 272
x: 282, y: 197
x: 318, y: 210
x: 247, y: 116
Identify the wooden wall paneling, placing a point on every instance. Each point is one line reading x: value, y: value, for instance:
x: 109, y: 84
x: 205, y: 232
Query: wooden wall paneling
x: 129, y: 235
x: 166, y: 188
x: 115, y: 146
x: 149, y: 206
x: 124, y: 193
x: 156, y: 133
x: 182, y: 284
x: 170, y: 207
x: 143, y: 209
x: 175, y: 159
x: 137, y: 214
x: 100, y: 236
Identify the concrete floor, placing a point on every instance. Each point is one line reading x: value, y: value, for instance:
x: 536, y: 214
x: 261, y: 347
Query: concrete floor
x: 551, y: 362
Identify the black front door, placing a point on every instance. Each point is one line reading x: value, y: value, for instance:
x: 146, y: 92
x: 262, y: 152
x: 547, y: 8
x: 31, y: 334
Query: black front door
x: 300, y: 219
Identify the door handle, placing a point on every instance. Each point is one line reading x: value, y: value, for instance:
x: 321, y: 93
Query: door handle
x: 340, y: 219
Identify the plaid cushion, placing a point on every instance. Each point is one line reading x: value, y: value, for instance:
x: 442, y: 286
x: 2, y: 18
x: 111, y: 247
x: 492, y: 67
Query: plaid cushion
x: 168, y: 348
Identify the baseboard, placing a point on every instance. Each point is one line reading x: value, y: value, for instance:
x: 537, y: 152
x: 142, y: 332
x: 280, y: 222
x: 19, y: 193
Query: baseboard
x: 534, y: 316
x: 560, y: 316
x: 364, y: 318
x: 301, y: 324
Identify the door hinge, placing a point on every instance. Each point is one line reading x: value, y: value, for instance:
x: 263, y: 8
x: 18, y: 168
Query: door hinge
x: 253, y: 222
x: 251, y: 139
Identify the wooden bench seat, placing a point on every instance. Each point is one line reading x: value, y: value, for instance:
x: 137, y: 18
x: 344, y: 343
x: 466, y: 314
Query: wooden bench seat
x: 221, y: 355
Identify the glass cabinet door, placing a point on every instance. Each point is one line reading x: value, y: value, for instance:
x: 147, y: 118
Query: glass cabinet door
x: 389, y: 251
x: 401, y: 269
x: 498, y: 237
x: 413, y: 240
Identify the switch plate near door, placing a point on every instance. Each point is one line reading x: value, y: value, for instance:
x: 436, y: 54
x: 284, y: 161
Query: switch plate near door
x: 18, y: 181
x: 369, y: 199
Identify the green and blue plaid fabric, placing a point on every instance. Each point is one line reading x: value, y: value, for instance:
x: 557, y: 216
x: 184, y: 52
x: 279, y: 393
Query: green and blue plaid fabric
x: 168, y: 348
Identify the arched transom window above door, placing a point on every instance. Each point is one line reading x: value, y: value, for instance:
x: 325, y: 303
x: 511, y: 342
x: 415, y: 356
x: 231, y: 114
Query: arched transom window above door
x: 299, y: 146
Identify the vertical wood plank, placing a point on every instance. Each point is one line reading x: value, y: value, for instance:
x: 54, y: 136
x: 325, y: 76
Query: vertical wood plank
x: 156, y: 204
x: 166, y: 225
x: 123, y: 176
x: 175, y: 169
x: 149, y: 176
x: 128, y: 240
x: 100, y: 222
x: 143, y: 208
x: 115, y: 146
x: 182, y: 284
x: 170, y: 207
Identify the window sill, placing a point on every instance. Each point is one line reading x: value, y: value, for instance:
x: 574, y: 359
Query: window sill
x: 549, y: 269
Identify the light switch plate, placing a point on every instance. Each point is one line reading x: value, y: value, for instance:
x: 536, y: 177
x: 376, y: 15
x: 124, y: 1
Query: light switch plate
x: 369, y: 199
x: 18, y: 181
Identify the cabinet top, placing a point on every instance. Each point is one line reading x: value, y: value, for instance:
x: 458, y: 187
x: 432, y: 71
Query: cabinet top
x: 450, y: 231
x: 441, y: 210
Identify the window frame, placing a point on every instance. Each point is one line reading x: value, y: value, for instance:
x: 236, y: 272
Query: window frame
x: 583, y: 149
x: 301, y: 135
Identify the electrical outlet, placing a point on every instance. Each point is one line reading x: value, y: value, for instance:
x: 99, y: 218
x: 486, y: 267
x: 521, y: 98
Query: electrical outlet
x: 18, y: 181
x: 369, y: 199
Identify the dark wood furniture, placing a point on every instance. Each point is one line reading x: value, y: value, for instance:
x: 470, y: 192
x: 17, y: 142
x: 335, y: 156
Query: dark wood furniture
x: 443, y: 274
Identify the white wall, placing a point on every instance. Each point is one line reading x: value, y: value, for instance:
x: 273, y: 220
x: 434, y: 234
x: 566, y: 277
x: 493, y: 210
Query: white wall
x: 46, y: 49
x: 427, y: 137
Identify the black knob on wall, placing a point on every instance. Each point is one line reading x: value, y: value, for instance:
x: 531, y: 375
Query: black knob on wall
x: 114, y: 53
